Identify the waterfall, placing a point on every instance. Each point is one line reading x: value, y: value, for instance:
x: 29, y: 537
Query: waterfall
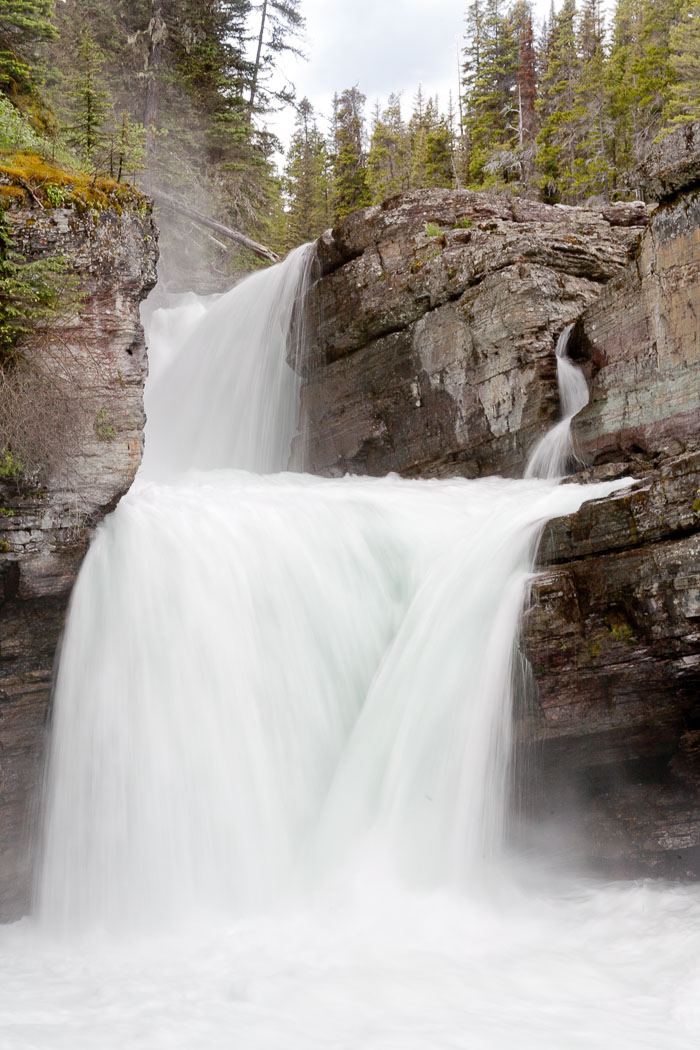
x: 276, y: 802
x: 223, y: 392
x: 553, y: 453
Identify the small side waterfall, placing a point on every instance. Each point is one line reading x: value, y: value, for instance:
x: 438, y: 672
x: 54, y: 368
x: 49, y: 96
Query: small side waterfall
x: 553, y: 453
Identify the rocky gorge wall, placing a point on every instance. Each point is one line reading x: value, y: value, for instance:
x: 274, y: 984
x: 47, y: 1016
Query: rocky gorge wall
x: 95, y: 356
x: 433, y: 323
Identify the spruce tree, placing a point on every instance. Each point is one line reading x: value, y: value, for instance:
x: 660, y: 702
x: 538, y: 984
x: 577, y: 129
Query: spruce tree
x: 348, y: 133
x: 388, y: 162
x: 23, y: 24
x: 306, y: 180
x: 559, y: 106
x: 89, y: 100
x: 684, y: 42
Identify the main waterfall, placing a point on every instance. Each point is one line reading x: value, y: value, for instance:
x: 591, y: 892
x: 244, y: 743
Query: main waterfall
x: 277, y: 795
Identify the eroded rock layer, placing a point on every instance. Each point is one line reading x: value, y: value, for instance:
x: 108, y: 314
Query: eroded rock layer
x: 94, y: 358
x: 435, y: 321
x: 433, y: 327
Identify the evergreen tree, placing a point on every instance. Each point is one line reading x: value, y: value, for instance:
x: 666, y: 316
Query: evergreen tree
x: 23, y: 24
x: 593, y: 170
x: 388, y: 162
x: 306, y: 182
x: 491, y: 69
x: 431, y: 145
x: 641, y: 76
x: 90, y: 102
x: 348, y: 133
x: 684, y: 42
x: 280, y: 25
x: 558, y: 139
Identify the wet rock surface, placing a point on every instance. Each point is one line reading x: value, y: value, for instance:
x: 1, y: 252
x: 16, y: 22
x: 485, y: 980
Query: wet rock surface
x: 433, y: 327
x: 435, y: 320
x: 98, y: 353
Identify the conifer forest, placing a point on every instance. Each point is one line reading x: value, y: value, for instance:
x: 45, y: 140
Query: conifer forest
x: 177, y: 93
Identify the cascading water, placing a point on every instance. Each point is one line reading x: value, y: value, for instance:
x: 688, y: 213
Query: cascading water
x: 277, y: 790
x: 553, y: 453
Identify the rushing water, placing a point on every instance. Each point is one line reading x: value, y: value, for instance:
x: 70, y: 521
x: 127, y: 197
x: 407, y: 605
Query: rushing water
x: 553, y: 454
x: 276, y: 802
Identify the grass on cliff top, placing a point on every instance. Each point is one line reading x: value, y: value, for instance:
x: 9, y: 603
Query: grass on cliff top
x: 60, y: 186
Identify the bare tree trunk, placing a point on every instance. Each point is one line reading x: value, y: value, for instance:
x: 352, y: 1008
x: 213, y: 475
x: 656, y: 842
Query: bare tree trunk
x: 258, y: 55
x: 157, y: 31
x: 223, y: 231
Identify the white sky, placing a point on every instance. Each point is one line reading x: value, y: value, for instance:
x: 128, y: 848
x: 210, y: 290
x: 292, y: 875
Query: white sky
x: 382, y: 45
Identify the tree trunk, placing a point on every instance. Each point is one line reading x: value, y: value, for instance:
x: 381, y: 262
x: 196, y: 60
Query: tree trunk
x: 258, y: 56
x: 157, y: 32
x: 224, y: 231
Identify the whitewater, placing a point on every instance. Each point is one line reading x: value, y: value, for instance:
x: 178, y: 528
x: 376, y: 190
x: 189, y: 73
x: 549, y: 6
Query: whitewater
x: 276, y: 812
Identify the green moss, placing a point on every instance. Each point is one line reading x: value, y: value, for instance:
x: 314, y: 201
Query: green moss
x: 696, y: 506
x: 6, y: 512
x: 57, y: 186
x: 463, y: 224
x: 102, y: 428
x: 432, y: 229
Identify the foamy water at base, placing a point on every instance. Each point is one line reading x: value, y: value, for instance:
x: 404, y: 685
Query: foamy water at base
x: 369, y: 967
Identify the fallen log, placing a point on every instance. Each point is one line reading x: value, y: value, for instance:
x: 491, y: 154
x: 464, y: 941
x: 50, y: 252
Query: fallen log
x: 203, y: 220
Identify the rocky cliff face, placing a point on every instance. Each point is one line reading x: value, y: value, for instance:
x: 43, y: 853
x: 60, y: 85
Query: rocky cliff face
x: 613, y: 632
x: 433, y: 328
x: 435, y: 320
x: 94, y: 359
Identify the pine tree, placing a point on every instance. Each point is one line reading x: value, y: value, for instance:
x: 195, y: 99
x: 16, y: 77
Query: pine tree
x: 641, y: 76
x: 306, y: 181
x: 281, y: 23
x: 491, y: 66
x: 90, y: 100
x: 558, y: 139
x: 388, y: 162
x: 593, y: 170
x: 23, y: 24
x: 348, y: 133
x: 684, y: 42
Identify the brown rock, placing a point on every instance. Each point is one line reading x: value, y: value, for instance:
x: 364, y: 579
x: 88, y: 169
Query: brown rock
x: 433, y: 328
x: 100, y: 355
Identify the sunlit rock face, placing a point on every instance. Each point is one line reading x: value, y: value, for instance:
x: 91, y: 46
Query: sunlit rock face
x: 97, y: 358
x: 433, y: 327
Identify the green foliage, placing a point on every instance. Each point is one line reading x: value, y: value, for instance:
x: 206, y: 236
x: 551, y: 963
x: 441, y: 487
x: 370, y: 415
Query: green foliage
x: 31, y: 294
x: 103, y: 430
x: 23, y: 24
x: 683, y: 102
x: 350, y: 176
x: 89, y: 100
x: 10, y: 468
x: 307, y: 181
x: 432, y: 230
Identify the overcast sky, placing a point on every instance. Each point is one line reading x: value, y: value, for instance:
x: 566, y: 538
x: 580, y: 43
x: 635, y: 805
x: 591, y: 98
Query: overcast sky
x: 382, y: 45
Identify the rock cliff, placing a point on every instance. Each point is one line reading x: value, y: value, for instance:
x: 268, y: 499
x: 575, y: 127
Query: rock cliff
x: 433, y: 328
x: 435, y: 319
x: 613, y: 632
x: 93, y: 361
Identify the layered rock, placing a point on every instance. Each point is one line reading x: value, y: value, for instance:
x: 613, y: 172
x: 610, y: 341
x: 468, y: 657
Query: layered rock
x: 613, y: 637
x: 613, y: 632
x: 95, y: 357
x: 436, y: 317
x: 433, y: 327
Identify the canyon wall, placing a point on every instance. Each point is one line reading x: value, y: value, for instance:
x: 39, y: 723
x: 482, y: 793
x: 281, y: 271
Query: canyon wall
x: 90, y: 366
x: 435, y: 319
